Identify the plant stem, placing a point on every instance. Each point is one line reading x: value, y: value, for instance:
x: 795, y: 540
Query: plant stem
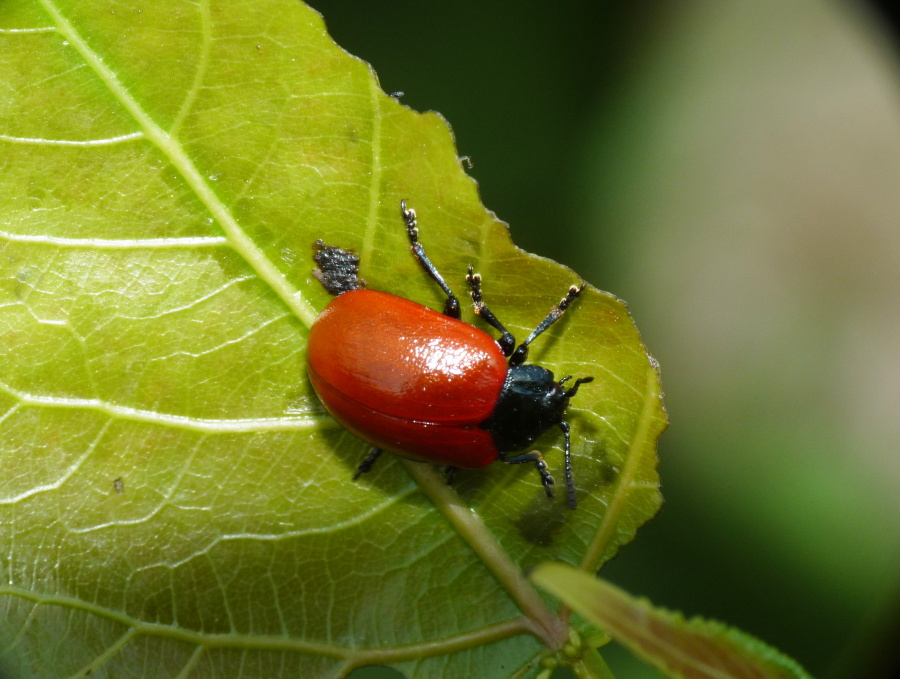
x: 546, y: 626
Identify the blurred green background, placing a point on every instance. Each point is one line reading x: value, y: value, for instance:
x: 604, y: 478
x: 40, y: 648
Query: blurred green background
x: 732, y: 170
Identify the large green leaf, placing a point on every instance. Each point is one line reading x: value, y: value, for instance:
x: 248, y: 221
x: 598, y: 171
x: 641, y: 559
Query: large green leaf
x: 174, y: 501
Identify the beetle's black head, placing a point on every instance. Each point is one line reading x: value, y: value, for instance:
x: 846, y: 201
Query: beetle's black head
x: 531, y: 402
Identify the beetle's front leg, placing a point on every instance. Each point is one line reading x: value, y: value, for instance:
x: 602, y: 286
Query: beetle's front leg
x: 538, y: 460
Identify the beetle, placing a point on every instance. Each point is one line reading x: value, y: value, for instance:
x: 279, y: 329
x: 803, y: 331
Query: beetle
x: 426, y: 385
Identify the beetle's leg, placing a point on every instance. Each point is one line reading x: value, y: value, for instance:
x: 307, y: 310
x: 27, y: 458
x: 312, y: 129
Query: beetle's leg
x: 535, y: 457
x: 570, y: 482
x: 450, y: 473
x: 521, y: 352
x: 507, y: 342
x: 366, y: 465
x: 451, y: 306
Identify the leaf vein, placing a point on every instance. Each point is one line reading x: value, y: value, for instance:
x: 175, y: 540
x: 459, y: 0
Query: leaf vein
x: 625, y: 482
x: 200, y: 73
x: 109, y: 141
x: 177, y: 155
x: 69, y: 472
x: 195, y: 424
x: 375, y: 175
x: 117, y: 243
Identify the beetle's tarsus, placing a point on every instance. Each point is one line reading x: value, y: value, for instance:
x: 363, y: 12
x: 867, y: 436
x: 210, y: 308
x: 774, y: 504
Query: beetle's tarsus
x: 365, y: 466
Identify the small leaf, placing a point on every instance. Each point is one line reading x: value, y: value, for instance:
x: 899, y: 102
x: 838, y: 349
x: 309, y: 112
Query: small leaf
x: 688, y: 649
x: 174, y: 500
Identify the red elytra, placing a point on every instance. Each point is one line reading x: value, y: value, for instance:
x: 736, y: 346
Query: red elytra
x: 406, y: 378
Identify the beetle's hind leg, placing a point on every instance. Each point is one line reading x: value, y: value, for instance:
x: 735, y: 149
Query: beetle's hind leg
x: 451, y: 306
x: 538, y: 460
x: 366, y: 465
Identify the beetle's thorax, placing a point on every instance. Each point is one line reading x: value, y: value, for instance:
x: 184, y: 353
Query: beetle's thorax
x: 530, y: 403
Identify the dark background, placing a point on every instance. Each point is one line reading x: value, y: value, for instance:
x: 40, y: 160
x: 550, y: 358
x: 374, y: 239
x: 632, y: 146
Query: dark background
x: 728, y: 172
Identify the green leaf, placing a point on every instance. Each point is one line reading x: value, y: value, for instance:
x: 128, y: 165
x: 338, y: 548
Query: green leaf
x: 174, y: 501
x: 685, y: 649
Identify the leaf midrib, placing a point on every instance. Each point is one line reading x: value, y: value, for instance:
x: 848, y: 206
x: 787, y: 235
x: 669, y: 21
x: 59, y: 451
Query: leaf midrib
x: 172, y: 149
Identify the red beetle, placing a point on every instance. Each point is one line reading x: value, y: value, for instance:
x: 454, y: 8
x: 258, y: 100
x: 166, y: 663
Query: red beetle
x: 426, y: 385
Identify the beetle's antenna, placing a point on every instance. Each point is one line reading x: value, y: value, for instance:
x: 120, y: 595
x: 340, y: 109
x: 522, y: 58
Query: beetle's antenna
x: 521, y: 352
x: 574, y: 389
